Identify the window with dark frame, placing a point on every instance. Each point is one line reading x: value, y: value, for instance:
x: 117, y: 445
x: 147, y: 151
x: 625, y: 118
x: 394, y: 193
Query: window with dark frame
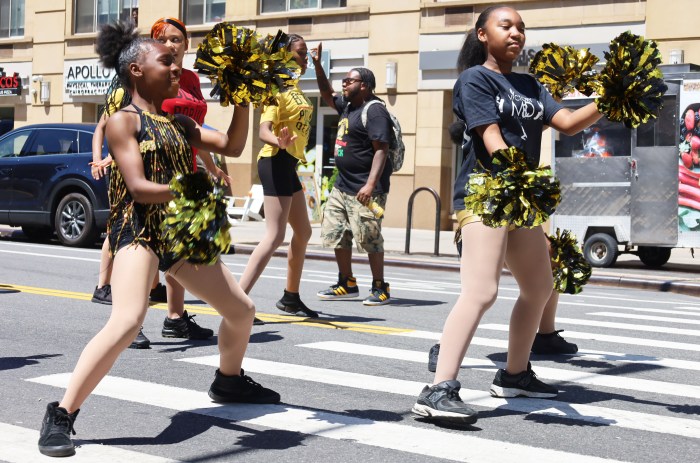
x: 278, y: 6
x: 203, y: 11
x: 90, y: 14
x: 11, y: 18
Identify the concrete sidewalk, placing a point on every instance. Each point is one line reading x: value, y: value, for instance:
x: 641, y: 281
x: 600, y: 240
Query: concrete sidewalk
x: 680, y: 275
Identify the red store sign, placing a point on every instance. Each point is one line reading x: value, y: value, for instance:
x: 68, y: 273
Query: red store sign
x: 10, y: 85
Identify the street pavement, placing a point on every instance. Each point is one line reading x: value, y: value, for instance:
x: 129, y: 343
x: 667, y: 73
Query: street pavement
x: 348, y: 379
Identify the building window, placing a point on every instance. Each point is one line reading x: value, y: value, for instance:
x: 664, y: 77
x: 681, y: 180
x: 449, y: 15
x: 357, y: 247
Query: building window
x: 203, y: 11
x: 276, y: 6
x: 11, y: 18
x: 90, y: 14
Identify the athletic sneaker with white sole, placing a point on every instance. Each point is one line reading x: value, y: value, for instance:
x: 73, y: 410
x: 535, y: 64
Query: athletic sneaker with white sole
x: 524, y: 384
x: 346, y: 288
x: 441, y: 403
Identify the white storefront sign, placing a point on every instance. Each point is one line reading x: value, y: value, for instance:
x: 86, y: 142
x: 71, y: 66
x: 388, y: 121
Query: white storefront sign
x: 85, y: 78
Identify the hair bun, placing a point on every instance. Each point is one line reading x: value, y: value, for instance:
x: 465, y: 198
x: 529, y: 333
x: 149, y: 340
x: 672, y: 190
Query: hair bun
x: 112, y: 39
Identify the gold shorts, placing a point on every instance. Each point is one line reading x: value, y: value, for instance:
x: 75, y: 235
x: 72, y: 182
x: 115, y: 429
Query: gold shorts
x: 465, y: 217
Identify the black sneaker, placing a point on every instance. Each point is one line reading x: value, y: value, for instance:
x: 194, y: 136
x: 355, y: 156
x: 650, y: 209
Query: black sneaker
x: 441, y: 403
x: 56, y: 428
x: 291, y: 303
x: 184, y: 327
x: 552, y: 344
x: 103, y: 295
x: 257, y: 321
x: 379, y: 294
x: 346, y: 288
x: 159, y: 293
x: 433, y: 357
x: 141, y: 341
x: 240, y: 389
x: 524, y: 384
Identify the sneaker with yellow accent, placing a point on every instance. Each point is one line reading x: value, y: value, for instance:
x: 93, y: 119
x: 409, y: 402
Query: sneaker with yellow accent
x: 346, y: 288
x: 379, y: 294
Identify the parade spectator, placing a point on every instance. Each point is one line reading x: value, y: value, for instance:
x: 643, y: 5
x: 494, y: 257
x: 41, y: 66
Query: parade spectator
x: 490, y: 98
x: 363, y: 179
x: 284, y: 127
x: 149, y: 148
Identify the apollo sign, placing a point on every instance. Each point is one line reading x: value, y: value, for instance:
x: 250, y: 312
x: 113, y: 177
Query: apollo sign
x: 86, y: 77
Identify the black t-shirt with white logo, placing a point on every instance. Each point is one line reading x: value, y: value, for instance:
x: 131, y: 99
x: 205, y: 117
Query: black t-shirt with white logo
x: 354, y: 152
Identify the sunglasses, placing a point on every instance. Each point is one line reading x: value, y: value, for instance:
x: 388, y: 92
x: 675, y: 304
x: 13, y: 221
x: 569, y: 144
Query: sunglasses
x: 350, y: 81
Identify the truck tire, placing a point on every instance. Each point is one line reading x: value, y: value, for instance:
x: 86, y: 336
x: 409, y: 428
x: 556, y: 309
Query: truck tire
x: 600, y: 250
x: 653, y: 256
x: 75, y: 221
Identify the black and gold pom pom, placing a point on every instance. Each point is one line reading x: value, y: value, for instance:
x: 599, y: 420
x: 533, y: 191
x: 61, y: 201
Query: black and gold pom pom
x: 244, y: 67
x: 514, y: 193
x: 196, y: 227
x: 565, y: 69
x: 631, y: 84
x: 570, y: 269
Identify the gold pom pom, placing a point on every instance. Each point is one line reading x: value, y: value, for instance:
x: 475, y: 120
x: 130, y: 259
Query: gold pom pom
x: 570, y: 268
x: 565, y: 69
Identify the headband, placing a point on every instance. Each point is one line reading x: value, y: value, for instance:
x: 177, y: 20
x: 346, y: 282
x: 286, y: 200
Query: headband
x: 174, y: 23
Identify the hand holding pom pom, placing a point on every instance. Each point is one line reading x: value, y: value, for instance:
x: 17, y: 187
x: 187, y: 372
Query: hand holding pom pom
x: 196, y: 226
x: 563, y: 69
x: 514, y: 193
x: 245, y: 68
x: 631, y: 84
x: 570, y: 269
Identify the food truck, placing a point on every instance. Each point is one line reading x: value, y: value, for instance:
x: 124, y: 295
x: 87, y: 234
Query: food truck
x: 634, y: 190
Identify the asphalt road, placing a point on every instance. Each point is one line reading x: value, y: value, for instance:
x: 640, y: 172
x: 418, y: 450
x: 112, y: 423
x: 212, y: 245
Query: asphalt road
x: 348, y: 380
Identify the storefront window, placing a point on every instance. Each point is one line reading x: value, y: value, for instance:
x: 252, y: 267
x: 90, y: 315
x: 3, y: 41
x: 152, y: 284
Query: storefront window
x: 11, y: 18
x: 276, y: 6
x: 203, y: 11
x: 89, y: 14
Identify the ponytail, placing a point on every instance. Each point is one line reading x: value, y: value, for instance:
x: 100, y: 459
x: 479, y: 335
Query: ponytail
x: 473, y: 52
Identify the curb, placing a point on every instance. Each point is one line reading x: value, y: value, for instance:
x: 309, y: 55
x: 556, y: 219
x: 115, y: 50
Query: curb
x: 665, y: 286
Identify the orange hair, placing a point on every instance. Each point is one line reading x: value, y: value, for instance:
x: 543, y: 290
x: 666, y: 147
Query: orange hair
x: 160, y: 25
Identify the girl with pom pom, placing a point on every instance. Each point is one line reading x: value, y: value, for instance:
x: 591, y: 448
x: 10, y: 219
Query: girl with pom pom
x: 501, y: 109
x: 149, y: 149
x: 189, y: 101
x: 284, y: 127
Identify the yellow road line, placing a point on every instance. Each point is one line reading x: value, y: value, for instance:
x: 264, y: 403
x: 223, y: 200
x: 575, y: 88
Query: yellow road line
x: 205, y: 310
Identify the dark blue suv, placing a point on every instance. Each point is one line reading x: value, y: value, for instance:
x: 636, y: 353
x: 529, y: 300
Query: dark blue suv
x: 46, y: 185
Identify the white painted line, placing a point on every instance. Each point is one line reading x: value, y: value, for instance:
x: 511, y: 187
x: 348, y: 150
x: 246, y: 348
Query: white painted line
x: 626, y: 326
x: 573, y: 335
x: 19, y: 445
x: 557, y: 374
x: 54, y: 256
x: 400, y: 437
x: 653, y: 318
x: 686, y: 313
x: 575, y: 412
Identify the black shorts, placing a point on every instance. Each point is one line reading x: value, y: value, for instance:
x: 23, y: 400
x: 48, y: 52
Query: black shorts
x: 278, y: 174
x: 122, y: 234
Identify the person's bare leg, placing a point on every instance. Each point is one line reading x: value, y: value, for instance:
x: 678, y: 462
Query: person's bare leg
x: 134, y: 267
x: 276, y: 216
x: 216, y: 285
x: 483, y: 252
x: 376, y: 265
x: 105, y: 275
x: 550, y: 312
x: 343, y: 258
x: 299, y: 220
x: 528, y: 261
x: 176, y: 297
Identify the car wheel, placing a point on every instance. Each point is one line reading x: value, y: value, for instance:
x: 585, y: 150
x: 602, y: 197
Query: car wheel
x: 600, y: 250
x: 653, y: 256
x: 75, y: 221
x: 34, y: 233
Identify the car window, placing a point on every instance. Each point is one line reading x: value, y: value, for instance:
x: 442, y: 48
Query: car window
x: 53, y: 141
x: 85, y: 142
x: 12, y: 145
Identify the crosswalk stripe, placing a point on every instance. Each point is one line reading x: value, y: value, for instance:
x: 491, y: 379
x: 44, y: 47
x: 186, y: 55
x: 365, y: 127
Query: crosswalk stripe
x: 577, y: 412
x: 653, y: 318
x: 666, y: 311
x: 417, y: 440
x: 580, y: 377
x: 626, y: 326
x: 19, y: 445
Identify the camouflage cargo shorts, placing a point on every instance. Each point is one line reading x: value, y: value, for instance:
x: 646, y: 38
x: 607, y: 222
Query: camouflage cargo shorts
x: 344, y: 217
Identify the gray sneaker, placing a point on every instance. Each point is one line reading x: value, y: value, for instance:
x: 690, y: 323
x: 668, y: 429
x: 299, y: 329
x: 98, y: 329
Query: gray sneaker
x: 441, y: 404
x: 524, y: 384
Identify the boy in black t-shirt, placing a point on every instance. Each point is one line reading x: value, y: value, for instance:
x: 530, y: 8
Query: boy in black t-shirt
x: 363, y: 178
